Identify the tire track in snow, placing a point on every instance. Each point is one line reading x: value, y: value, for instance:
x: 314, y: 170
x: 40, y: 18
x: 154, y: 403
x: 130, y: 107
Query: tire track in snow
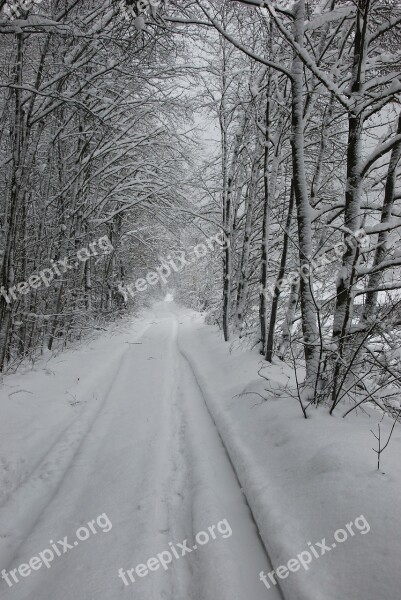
x: 129, y: 438
x: 176, y: 493
x: 187, y: 360
x: 25, y: 506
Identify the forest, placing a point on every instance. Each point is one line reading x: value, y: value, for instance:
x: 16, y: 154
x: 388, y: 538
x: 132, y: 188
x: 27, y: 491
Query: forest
x: 239, y: 159
x: 98, y: 138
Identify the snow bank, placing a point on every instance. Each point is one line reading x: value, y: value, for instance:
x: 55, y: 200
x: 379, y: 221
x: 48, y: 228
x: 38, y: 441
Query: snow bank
x: 304, y: 479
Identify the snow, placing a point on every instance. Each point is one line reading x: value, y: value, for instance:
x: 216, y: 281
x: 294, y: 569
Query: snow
x: 304, y: 479
x: 157, y: 424
x: 44, y: 421
x: 143, y: 450
x: 327, y: 17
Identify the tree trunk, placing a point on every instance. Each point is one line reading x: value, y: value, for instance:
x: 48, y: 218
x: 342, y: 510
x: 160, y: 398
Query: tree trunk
x: 309, y: 326
x: 243, y: 284
x: 280, y: 276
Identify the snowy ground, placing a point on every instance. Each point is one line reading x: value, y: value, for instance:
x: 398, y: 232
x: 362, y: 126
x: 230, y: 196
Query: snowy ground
x: 145, y: 434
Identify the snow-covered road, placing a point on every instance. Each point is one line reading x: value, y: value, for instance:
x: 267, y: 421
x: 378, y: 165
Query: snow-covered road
x: 146, y: 455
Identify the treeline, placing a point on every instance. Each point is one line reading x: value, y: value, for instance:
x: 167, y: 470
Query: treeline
x: 305, y: 100
x: 306, y: 185
x: 92, y: 147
